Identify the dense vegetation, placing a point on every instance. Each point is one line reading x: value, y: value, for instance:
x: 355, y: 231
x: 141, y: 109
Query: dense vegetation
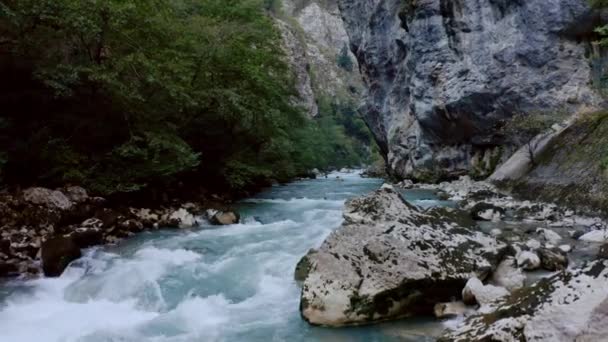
x: 120, y: 95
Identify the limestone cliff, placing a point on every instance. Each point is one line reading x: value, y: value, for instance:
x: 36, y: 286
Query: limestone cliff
x: 442, y: 74
x: 314, y: 36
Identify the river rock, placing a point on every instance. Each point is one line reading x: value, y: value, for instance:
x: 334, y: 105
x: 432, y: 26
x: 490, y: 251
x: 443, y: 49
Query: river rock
x: 569, y: 306
x: 595, y: 236
x: 508, y: 275
x: 182, y: 218
x: 449, y: 310
x: 552, y: 259
x: 47, y: 197
x: 390, y: 259
x: 57, y: 253
x: 223, y: 218
x: 76, y: 194
x: 487, y: 212
x: 527, y: 260
x: 475, y: 292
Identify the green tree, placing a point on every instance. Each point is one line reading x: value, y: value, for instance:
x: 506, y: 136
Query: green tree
x: 344, y: 60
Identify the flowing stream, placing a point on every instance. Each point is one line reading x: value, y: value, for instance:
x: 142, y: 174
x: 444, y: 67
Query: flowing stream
x: 233, y: 283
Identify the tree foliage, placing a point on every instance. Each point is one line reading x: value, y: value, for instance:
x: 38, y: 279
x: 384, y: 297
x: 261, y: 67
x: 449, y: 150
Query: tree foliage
x: 118, y: 95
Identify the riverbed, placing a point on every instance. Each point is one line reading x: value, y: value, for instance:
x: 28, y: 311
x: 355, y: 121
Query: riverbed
x: 233, y: 283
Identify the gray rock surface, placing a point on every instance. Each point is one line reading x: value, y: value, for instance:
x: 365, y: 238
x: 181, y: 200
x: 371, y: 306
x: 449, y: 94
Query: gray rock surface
x: 441, y: 74
x: 570, y: 306
x: 391, y: 259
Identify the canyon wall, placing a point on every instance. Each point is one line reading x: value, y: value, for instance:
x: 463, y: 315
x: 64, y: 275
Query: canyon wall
x: 442, y: 75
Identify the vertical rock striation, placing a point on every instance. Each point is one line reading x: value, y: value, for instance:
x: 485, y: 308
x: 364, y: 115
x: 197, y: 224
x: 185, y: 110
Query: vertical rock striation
x: 442, y: 74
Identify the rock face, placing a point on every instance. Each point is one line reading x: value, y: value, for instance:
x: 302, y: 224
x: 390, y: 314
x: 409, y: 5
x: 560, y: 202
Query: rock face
x: 390, y: 259
x: 441, y: 74
x: 571, y: 170
x: 313, y: 37
x: 570, y: 306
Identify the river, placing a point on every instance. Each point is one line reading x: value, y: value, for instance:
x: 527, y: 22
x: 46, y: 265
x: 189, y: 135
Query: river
x: 233, y: 283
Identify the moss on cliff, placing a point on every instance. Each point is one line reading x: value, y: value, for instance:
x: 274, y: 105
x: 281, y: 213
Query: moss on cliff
x: 572, y: 171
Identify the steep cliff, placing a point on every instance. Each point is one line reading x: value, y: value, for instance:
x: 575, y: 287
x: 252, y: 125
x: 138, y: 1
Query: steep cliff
x: 441, y: 75
x: 314, y: 36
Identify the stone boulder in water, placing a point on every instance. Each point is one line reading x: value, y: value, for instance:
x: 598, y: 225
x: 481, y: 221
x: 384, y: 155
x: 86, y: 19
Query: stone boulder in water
x: 57, y: 253
x: 570, y: 306
x: 391, y: 259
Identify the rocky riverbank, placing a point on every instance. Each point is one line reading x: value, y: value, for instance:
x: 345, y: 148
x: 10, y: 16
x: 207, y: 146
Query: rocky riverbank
x: 43, y: 230
x: 512, y: 269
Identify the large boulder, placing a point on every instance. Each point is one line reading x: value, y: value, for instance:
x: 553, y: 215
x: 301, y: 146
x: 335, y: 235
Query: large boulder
x: 569, y: 306
x: 48, y: 198
x: 57, y: 253
x: 390, y: 259
x: 223, y: 218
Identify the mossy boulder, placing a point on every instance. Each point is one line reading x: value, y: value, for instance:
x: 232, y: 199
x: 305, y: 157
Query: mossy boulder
x: 391, y: 259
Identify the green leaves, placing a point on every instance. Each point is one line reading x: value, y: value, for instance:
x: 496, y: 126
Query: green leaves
x: 122, y: 94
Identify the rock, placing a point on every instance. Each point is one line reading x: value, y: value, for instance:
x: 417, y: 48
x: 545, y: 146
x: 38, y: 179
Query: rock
x: 57, y: 253
x: 533, y: 244
x: 595, y: 236
x: 603, y: 252
x: 529, y: 261
x: 92, y: 223
x: 46, y: 197
x: 303, y: 267
x: 565, y: 248
x: 223, y: 218
x: 508, y: 276
x: 390, y: 259
x: 569, y: 306
x: 442, y: 74
x: 549, y: 235
x: 146, y: 216
x: 183, y: 218
x: 406, y: 184
x: 8, y: 269
x: 449, y: 310
x: 76, y: 194
x: 87, y: 237
x: 487, y: 212
x: 552, y: 260
x: 475, y: 292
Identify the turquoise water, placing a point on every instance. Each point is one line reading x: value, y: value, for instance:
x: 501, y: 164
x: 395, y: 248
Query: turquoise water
x: 233, y: 283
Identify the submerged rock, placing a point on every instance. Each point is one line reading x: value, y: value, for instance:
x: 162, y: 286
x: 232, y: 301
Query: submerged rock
x: 57, y: 253
x: 570, y: 306
x: 389, y: 259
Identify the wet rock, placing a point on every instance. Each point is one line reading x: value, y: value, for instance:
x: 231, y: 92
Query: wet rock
x: 8, y: 269
x: 87, y: 237
x: 487, y: 212
x: 57, y: 253
x: 603, y: 252
x: 47, y: 197
x: 449, y: 310
x: 475, y: 292
x: 552, y: 259
x: 224, y: 218
x: 527, y: 260
x: 549, y: 236
x: 595, y: 236
x: 508, y: 275
x: 391, y: 259
x: 183, y: 218
x: 303, y: 267
x: 569, y: 306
